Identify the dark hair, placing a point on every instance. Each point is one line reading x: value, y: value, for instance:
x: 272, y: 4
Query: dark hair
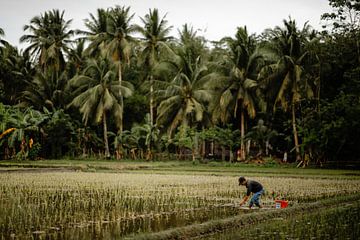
x: 241, y: 179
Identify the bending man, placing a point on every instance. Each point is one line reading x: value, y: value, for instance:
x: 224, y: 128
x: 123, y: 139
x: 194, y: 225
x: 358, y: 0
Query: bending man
x: 252, y: 187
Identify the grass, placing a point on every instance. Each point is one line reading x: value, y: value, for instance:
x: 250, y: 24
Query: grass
x: 84, y: 199
x: 179, y: 167
x: 251, y: 221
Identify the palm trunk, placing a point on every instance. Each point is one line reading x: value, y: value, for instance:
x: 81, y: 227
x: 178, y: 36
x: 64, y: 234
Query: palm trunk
x: 222, y: 153
x: 151, y: 101
x: 242, y: 129
x: 151, y: 114
x: 296, y: 140
x: 121, y: 111
x: 231, y: 157
x: 107, y: 152
x: 121, y: 100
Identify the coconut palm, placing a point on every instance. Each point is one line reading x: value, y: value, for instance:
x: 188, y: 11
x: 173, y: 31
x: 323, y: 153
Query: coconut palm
x: 2, y: 41
x: 98, y: 94
x: 96, y: 33
x: 184, y: 98
x: 49, y: 39
x: 286, y: 85
x: 47, y: 89
x: 2, y: 33
x: 150, y: 134
x: 154, y: 37
x: 119, y: 42
x: 237, y: 81
x: 76, y: 58
x: 16, y: 69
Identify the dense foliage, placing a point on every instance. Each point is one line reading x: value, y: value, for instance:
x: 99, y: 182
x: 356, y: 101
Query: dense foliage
x: 288, y: 91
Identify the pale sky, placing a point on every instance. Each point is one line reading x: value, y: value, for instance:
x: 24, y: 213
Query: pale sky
x: 214, y: 18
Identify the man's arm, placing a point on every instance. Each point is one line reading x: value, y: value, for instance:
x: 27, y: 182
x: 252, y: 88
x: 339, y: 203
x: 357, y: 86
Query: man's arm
x: 244, y: 200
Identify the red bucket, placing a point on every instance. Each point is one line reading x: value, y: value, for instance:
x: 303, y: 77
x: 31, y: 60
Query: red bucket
x: 281, y: 203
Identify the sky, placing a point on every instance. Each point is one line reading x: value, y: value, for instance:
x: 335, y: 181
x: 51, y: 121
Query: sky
x: 212, y: 19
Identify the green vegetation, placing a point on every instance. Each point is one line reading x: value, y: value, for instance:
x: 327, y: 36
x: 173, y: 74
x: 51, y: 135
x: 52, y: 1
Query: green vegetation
x: 340, y: 222
x: 167, y: 199
x: 101, y: 92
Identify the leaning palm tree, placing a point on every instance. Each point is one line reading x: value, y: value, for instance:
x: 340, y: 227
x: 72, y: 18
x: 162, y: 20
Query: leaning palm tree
x: 154, y: 38
x: 49, y: 39
x: 285, y: 84
x: 237, y: 81
x: 97, y: 93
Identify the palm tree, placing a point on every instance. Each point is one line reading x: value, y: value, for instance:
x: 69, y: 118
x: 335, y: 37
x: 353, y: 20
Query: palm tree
x: 49, y: 39
x: 286, y: 85
x: 47, y: 89
x: 154, y: 38
x: 237, y: 81
x: 98, y: 93
x: 184, y: 98
x: 119, y: 42
x: 149, y: 132
x: 97, y: 30
x: 2, y: 33
x: 2, y: 41
x: 16, y: 70
x: 77, y: 58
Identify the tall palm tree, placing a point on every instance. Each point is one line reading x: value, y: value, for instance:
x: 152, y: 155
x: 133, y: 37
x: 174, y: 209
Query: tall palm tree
x: 286, y: 85
x: 49, y: 39
x: 238, y: 81
x: 98, y: 93
x: 119, y: 42
x: 154, y: 37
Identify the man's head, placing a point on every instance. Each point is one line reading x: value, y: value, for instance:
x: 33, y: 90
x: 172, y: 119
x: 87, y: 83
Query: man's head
x: 242, y: 181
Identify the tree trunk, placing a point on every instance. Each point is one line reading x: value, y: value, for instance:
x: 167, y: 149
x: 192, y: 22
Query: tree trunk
x: 296, y: 140
x: 121, y: 100
x: 231, y: 155
x: 149, y: 151
x: 151, y: 101
x: 107, y: 152
x: 242, y: 129
x: 121, y: 112
x: 193, y: 153
x: 222, y: 153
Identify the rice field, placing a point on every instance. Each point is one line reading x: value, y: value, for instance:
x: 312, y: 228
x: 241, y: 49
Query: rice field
x: 81, y: 205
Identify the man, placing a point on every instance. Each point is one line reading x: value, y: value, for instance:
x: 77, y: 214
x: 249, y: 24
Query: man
x: 252, y: 187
